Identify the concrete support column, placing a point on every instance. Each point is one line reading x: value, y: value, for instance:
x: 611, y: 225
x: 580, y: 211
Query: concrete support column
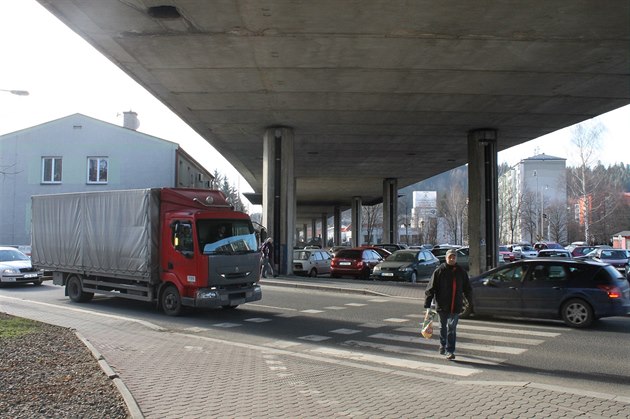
x: 337, y: 226
x: 324, y: 230
x: 279, y: 195
x: 313, y: 228
x: 305, y: 230
x: 390, y: 210
x: 357, y: 206
x: 482, y: 200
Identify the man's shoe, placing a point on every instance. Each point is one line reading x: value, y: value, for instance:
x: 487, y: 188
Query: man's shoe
x: 442, y: 351
x: 450, y: 356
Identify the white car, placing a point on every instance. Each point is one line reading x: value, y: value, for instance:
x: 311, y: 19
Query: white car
x: 15, y: 268
x: 311, y: 262
x: 524, y: 251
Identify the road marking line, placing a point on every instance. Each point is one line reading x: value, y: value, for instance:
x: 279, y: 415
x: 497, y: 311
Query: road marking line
x: 312, y: 311
x: 335, y: 308
x: 478, y: 336
x: 314, y: 338
x: 430, y: 353
x: 257, y: 320
x: 226, y: 325
x: 345, y: 331
x: 274, y: 307
x: 465, y: 345
x: 465, y: 326
x: 379, y: 300
x: 396, y: 362
x: 395, y: 320
x: 355, y: 304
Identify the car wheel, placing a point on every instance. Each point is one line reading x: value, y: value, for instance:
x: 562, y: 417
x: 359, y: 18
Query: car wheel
x: 577, y: 313
x: 75, y: 292
x: 313, y: 273
x: 414, y: 277
x: 365, y: 274
x: 229, y: 307
x: 38, y: 282
x: 171, y: 301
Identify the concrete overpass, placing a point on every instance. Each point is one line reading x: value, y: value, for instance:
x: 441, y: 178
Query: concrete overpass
x: 363, y: 91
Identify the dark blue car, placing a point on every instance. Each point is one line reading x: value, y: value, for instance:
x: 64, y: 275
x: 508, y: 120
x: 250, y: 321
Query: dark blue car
x: 577, y: 292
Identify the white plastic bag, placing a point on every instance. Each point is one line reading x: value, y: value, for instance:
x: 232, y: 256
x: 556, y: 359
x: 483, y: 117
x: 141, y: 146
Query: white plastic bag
x: 426, y: 327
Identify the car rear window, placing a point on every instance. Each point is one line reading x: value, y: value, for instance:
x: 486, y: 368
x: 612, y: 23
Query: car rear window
x: 608, y: 274
x: 613, y: 254
x: 349, y: 254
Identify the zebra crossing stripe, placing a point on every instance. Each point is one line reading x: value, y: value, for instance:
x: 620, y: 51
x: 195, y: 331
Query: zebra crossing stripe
x: 434, y: 342
x: 479, y: 336
x: 446, y: 368
x: 425, y: 353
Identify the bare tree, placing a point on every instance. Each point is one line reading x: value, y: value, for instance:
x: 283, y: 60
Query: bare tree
x: 453, y: 207
x: 586, y: 138
x: 529, y: 215
x: 556, y: 217
x: 372, y: 217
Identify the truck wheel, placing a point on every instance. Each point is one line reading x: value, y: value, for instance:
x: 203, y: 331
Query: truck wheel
x: 577, y: 313
x: 74, y: 289
x: 313, y: 273
x: 171, y: 301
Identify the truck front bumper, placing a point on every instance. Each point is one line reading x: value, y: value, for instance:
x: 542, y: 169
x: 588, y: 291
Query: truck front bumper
x: 213, y: 297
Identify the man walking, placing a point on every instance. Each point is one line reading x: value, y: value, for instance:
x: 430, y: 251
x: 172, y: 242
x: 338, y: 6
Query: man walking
x: 266, y: 268
x: 448, y: 285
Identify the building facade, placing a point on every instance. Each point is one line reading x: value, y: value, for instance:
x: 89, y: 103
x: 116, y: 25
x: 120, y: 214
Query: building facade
x: 78, y: 153
x: 533, y: 201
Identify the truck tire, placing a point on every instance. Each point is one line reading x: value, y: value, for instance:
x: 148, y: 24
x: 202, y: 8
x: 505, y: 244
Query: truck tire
x: 171, y: 301
x: 75, y: 292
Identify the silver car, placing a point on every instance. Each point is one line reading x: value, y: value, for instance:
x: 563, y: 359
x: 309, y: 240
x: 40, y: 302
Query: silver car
x: 311, y: 262
x: 15, y: 267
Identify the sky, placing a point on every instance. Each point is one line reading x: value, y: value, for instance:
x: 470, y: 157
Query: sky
x: 65, y: 75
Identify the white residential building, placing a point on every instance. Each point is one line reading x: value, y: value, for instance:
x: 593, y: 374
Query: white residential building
x: 533, y: 201
x: 78, y: 153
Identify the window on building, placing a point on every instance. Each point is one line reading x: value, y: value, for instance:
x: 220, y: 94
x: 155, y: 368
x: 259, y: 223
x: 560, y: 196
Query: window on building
x: 97, y: 169
x: 51, y: 169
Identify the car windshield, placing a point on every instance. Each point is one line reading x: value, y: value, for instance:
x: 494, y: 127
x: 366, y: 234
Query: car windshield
x: 402, y: 257
x: 10, y: 255
x: 527, y: 248
x: 613, y: 254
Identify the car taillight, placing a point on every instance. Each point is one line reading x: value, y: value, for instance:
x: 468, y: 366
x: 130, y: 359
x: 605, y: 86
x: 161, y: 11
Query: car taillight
x: 360, y: 264
x: 611, y: 290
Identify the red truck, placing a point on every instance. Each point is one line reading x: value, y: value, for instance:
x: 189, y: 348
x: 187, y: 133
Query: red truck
x: 175, y: 247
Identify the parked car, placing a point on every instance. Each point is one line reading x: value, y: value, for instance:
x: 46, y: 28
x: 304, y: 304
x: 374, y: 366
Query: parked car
x: 406, y: 265
x: 391, y: 247
x: 582, y: 250
x: 381, y: 251
x: 334, y: 249
x: 440, y: 251
x: 578, y: 292
x: 311, y: 262
x: 357, y: 262
x: 524, y: 251
x: 547, y: 245
x: 15, y: 267
x: 554, y: 253
x: 615, y: 257
x: 508, y: 255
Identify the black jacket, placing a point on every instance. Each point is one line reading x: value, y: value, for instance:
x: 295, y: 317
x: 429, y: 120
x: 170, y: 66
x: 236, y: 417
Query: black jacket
x: 448, y: 285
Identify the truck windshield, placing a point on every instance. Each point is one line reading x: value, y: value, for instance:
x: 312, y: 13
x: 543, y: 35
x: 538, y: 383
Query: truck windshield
x: 226, y: 236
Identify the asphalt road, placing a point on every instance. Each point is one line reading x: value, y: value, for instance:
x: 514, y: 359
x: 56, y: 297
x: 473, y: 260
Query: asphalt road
x: 381, y: 330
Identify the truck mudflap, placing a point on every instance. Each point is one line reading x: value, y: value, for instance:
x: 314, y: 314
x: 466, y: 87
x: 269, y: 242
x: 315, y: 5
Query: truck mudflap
x: 218, y: 297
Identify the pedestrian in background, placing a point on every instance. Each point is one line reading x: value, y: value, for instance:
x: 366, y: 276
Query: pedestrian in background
x: 267, y: 256
x: 449, y: 285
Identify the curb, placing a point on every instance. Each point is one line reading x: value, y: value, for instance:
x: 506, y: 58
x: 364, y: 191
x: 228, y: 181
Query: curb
x: 132, y: 406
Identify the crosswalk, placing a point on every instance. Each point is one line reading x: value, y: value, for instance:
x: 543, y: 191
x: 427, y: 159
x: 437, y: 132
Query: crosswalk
x: 396, y: 342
